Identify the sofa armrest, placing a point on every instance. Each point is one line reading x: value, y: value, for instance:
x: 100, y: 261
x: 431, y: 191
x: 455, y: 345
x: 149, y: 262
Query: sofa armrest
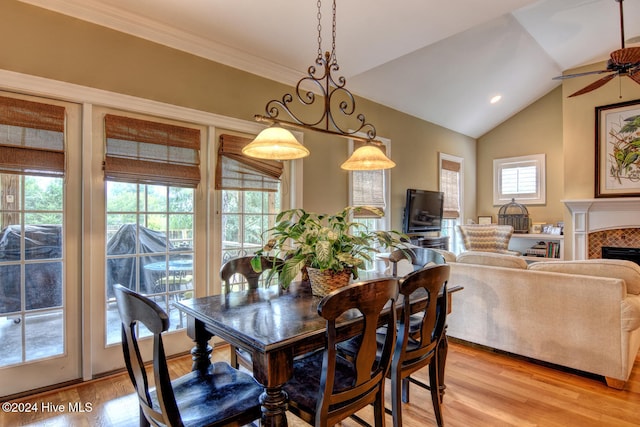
x: 630, y: 308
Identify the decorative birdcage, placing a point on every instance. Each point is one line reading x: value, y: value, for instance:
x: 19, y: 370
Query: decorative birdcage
x: 515, y: 215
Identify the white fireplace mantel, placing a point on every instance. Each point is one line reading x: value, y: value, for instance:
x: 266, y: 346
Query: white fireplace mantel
x: 591, y: 215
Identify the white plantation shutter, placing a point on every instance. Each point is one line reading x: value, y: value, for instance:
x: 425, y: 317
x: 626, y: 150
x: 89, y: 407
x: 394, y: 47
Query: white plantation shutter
x: 519, y: 180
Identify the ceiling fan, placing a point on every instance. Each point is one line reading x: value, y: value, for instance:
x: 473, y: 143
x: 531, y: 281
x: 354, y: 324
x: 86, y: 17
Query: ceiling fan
x: 623, y: 62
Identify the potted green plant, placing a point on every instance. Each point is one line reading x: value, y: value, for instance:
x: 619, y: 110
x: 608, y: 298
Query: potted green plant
x: 330, y: 248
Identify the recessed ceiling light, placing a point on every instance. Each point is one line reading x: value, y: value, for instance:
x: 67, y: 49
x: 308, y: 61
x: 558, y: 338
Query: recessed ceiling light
x: 496, y: 99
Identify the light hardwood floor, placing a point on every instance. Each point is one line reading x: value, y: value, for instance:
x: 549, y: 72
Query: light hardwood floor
x: 483, y: 389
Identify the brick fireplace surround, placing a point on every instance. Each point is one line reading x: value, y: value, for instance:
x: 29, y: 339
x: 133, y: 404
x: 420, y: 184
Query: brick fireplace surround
x: 603, y: 222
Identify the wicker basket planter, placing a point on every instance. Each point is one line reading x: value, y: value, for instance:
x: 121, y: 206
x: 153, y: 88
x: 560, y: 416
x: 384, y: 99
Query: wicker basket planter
x: 327, y: 281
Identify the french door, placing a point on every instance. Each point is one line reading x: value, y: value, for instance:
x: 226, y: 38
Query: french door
x: 40, y: 254
x: 143, y: 237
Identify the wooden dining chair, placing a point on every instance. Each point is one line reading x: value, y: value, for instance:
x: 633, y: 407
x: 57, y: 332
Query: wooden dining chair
x: 325, y: 387
x: 419, y: 258
x: 420, y: 328
x: 219, y: 397
x: 417, y: 343
x: 242, y: 266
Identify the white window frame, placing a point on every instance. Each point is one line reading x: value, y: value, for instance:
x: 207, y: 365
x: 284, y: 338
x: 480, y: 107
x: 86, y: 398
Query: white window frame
x: 538, y: 197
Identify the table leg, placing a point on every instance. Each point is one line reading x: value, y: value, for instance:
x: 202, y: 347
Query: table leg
x: 443, y: 348
x: 201, y: 352
x: 274, y: 407
x: 272, y: 370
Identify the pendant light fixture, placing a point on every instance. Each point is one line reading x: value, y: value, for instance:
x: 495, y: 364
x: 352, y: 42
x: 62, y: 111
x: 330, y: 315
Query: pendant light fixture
x: 277, y: 143
x: 367, y: 158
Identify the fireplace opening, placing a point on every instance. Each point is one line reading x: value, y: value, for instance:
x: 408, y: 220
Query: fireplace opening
x: 631, y: 254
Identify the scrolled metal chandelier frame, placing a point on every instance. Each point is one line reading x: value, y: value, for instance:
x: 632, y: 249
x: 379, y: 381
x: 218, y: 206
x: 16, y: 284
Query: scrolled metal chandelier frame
x: 332, y: 92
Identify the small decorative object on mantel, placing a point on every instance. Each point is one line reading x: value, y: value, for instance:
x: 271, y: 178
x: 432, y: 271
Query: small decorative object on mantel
x: 515, y: 215
x: 330, y: 248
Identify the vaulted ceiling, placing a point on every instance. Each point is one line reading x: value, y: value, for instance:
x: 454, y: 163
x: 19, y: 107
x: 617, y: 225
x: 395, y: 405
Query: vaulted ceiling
x: 441, y: 61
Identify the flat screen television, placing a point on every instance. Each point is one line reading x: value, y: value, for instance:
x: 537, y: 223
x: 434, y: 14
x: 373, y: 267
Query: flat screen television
x: 423, y: 211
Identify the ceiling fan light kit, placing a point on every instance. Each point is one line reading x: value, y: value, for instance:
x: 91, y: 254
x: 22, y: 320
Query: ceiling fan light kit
x: 622, y: 62
x: 332, y: 93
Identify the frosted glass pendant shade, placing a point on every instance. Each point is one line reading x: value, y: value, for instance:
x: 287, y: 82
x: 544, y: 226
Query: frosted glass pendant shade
x: 275, y: 143
x: 366, y: 158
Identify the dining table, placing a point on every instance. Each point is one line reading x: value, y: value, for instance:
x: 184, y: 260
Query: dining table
x: 274, y: 325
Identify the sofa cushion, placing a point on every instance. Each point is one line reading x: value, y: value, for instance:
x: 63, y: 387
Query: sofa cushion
x: 492, y: 259
x: 628, y: 271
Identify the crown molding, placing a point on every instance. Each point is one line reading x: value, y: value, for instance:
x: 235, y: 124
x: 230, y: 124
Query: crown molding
x: 39, y: 86
x: 138, y: 26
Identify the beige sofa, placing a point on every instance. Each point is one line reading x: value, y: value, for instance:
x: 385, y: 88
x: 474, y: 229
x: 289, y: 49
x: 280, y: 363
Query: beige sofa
x: 583, y: 315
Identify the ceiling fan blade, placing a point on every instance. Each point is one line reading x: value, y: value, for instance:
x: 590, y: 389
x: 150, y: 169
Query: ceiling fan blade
x: 595, y: 85
x: 626, y: 56
x: 587, y: 73
x: 635, y: 75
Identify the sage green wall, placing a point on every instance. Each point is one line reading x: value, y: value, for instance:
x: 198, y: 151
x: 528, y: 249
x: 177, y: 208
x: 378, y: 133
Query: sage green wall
x: 564, y: 129
x: 39, y: 42
x: 535, y: 130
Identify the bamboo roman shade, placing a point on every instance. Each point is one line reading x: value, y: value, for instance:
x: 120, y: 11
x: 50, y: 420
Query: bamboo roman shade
x: 368, y: 188
x: 149, y: 152
x: 31, y: 138
x: 235, y: 171
x: 450, y: 186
